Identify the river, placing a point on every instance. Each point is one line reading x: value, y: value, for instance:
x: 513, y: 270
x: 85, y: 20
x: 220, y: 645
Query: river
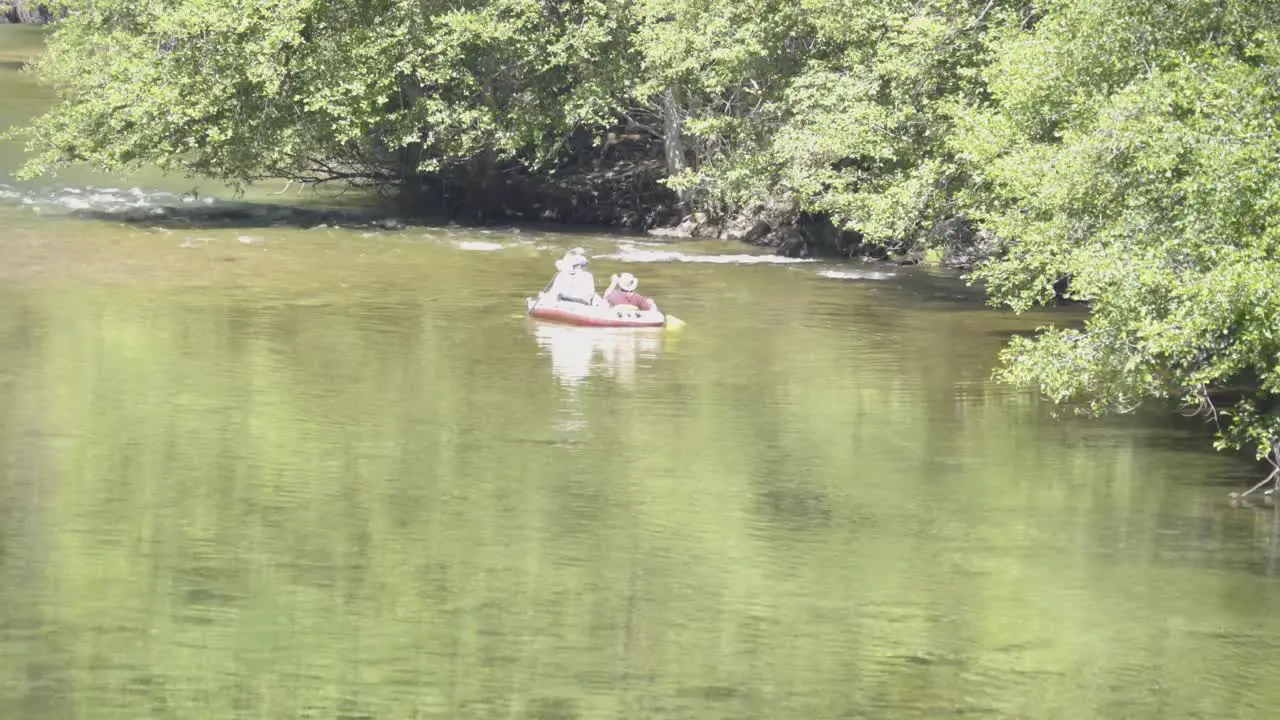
x: 257, y: 464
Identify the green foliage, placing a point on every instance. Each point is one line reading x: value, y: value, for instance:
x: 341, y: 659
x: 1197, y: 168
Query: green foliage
x: 863, y: 140
x: 834, y: 107
x: 322, y: 89
x: 840, y: 108
x: 1132, y: 149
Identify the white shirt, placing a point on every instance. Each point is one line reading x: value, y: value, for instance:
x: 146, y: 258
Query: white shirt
x: 580, y: 285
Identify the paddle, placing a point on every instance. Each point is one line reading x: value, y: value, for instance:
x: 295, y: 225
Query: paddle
x: 539, y: 298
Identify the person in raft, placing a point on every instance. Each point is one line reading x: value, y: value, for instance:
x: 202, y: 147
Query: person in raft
x: 622, y: 291
x: 574, y: 283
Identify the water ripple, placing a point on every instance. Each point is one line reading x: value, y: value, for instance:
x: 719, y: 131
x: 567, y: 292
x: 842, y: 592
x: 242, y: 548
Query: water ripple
x: 857, y: 274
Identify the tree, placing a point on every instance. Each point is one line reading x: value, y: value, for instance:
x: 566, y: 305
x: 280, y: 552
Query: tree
x: 1130, y: 152
x: 707, y: 66
x: 834, y: 108
x: 317, y: 90
x: 828, y: 107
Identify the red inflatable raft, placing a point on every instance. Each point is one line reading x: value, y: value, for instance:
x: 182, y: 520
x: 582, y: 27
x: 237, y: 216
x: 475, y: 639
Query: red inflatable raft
x: 622, y: 316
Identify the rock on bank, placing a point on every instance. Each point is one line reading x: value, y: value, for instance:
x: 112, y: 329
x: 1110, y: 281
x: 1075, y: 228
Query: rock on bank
x: 22, y: 11
x: 957, y: 243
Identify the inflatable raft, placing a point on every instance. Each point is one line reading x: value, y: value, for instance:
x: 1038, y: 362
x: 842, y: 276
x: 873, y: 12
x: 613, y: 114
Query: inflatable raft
x: 623, y: 316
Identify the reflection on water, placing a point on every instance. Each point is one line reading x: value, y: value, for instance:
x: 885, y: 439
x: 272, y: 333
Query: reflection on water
x: 574, y: 350
x: 337, y: 477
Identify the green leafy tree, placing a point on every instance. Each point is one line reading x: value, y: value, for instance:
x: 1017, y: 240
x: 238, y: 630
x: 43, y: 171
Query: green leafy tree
x: 325, y: 89
x: 835, y: 108
x: 1130, y: 154
x: 827, y: 107
x: 707, y: 68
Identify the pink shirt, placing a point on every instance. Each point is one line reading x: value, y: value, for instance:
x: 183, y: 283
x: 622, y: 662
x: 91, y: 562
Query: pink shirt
x: 618, y: 296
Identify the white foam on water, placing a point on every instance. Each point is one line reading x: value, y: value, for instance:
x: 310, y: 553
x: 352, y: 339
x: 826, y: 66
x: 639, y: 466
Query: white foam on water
x: 75, y: 203
x: 535, y: 245
x: 636, y: 255
x: 90, y: 197
x: 75, y: 199
x: 479, y: 245
x: 856, y: 274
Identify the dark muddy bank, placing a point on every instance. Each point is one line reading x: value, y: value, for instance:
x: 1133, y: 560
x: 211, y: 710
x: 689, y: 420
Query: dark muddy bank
x: 20, y: 11
x: 618, y: 183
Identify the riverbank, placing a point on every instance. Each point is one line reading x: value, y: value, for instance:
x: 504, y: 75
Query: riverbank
x: 581, y: 173
x: 619, y: 184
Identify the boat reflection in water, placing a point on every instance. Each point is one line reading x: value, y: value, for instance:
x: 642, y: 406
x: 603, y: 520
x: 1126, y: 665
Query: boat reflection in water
x: 574, y: 350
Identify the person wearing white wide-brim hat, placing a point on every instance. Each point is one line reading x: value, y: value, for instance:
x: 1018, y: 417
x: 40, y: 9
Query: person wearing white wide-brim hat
x: 623, y: 292
x: 574, y: 283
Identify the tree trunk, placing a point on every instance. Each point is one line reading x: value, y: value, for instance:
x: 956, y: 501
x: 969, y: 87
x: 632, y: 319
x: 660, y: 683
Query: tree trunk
x: 673, y: 137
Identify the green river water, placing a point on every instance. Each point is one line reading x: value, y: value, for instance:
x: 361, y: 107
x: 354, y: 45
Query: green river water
x: 253, y: 469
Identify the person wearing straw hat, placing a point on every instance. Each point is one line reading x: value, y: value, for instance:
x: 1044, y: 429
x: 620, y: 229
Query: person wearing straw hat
x: 574, y: 283
x: 622, y: 291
